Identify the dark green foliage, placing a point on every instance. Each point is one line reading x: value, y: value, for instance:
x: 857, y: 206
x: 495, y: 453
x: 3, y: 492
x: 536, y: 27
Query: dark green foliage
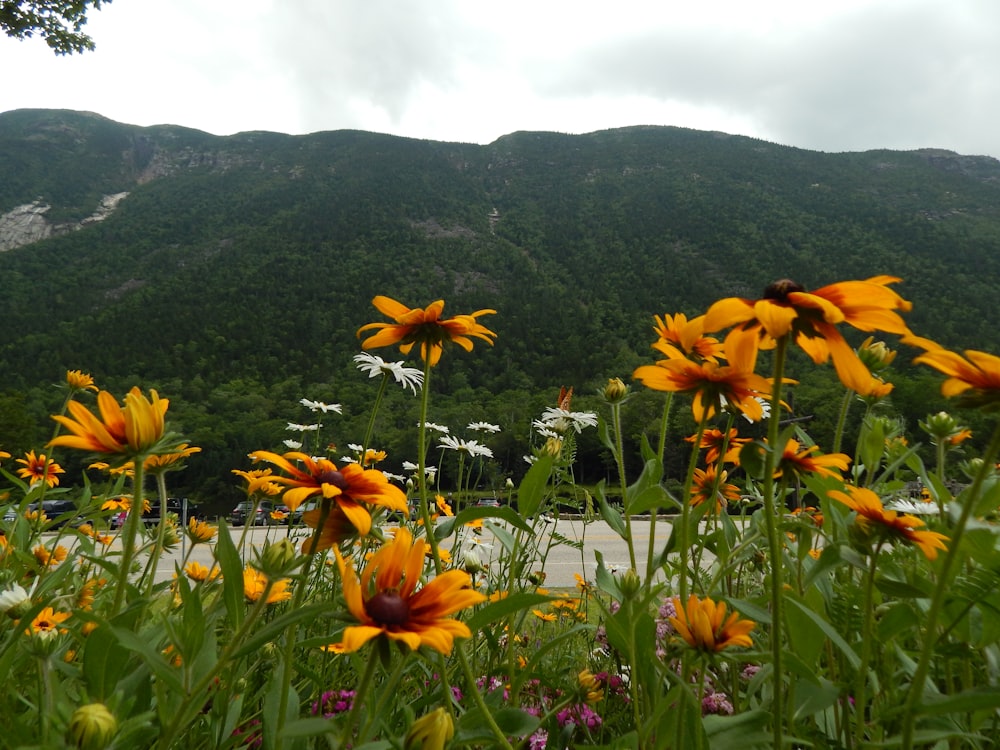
x: 236, y: 273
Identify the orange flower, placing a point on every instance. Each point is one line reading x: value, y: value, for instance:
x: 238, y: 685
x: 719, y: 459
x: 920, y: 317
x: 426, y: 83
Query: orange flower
x: 351, y: 487
x: 710, y: 382
x: 48, y: 559
x: 714, y: 439
x: 386, y: 602
x: 786, y: 309
x: 199, y: 573
x: 39, y: 469
x: 170, y: 461
x: 707, y: 484
x: 130, y: 430
x: 680, y: 337
x: 872, y: 516
x: 973, y: 379
x: 704, y: 625
x: 255, y: 584
x: 797, y: 461
x: 46, y: 623
x: 77, y: 380
x: 424, y: 327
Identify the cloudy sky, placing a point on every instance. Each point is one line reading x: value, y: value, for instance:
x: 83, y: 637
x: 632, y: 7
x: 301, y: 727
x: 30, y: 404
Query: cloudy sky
x: 829, y: 75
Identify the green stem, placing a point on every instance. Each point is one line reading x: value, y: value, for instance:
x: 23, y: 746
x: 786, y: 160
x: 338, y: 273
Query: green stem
x: 845, y: 405
x: 867, y: 634
x: 129, y: 533
x: 684, y: 536
x: 915, y: 693
x: 154, y: 558
x: 660, y: 450
x: 616, y: 421
x: 477, y: 698
x: 775, y: 547
x: 370, y: 429
x: 359, y: 698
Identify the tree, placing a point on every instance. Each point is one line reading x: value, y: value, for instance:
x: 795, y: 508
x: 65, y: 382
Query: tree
x: 58, y: 22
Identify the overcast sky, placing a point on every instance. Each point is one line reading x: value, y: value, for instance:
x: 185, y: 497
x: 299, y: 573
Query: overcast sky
x: 829, y: 75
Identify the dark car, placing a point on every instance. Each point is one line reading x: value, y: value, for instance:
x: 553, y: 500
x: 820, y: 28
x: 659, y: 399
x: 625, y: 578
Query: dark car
x: 175, y: 505
x: 59, y: 512
x: 242, y: 513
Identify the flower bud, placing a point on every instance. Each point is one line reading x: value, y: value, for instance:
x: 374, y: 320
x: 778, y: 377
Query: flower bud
x: 15, y: 602
x: 552, y: 447
x: 92, y: 727
x: 278, y: 558
x: 471, y: 562
x: 875, y: 355
x: 431, y: 731
x: 615, y: 390
x: 940, y: 427
x: 629, y: 583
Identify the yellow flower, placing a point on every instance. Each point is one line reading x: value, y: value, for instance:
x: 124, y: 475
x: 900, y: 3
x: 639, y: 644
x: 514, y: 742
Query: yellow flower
x: 591, y: 687
x: 797, y: 461
x: 39, y: 468
x: 544, y: 616
x: 255, y: 583
x: 704, y: 625
x: 872, y: 516
x: 442, y: 505
x: 386, y: 602
x: 973, y: 379
x: 786, y: 309
x: 424, y: 327
x: 47, y: 558
x: 681, y: 338
x: 77, y: 380
x: 707, y: 483
x: 130, y: 430
x: 46, y: 623
x: 201, y: 531
x: 170, y: 461
x: 351, y: 487
x: 710, y: 382
x: 430, y: 732
x: 713, y: 439
x: 199, y: 573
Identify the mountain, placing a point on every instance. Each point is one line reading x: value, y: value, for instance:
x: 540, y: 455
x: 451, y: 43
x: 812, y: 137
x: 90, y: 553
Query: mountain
x: 233, y: 272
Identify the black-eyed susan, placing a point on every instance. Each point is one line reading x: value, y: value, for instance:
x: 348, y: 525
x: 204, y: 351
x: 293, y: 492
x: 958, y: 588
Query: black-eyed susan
x: 386, y: 600
x: 713, y: 441
x: 351, y: 488
x: 255, y: 583
x: 873, y: 518
x: 711, y: 382
x: 201, y: 573
x: 201, y: 532
x: 49, y: 558
x: 77, y: 380
x: 172, y: 461
x: 973, y: 380
x: 46, y: 623
x: 704, y: 626
x: 811, y: 319
x: 424, y: 327
x: 679, y: 337
x: 798, y: 460
x: 39, y: 468
x: 707, y: 483
x: 130, y: 430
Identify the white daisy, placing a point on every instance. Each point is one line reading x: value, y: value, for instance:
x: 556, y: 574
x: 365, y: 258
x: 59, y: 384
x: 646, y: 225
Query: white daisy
x: 408, y: 377
x: 484, y: 427
x: 293, y: 445
x: 472, y: 447
x: 562, y: 420
x: 320, y: 406
x: 913, y: 508
x: 436, y: 427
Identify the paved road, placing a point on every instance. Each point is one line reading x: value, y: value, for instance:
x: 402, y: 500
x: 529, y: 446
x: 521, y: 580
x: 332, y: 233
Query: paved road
x: 562, y: 562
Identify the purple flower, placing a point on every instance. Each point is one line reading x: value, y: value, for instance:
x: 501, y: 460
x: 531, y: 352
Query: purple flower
x: 716, y: 703
x: 333, y: 702
x: 539, y: 740
x: 580, y: 715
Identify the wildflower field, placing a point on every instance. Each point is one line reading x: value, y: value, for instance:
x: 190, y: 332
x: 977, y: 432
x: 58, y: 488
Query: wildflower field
x: 807, y: 596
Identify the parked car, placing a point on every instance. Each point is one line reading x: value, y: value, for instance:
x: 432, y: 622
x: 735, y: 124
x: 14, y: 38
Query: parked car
x: 244, y: 513
x: 487, y: 502
x: 59, y: 512
x: 175, y: 505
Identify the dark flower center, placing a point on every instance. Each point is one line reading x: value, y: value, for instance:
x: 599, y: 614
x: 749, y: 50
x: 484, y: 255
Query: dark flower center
x: 387, y: 608
x: 779, y: 290
x: 334, y: 477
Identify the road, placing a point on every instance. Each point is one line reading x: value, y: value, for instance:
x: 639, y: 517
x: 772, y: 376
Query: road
x: 562, y: 562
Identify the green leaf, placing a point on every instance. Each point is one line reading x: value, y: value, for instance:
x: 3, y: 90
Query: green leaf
x: 752, y: 459
x: 976, y: 699
x: 104, y: 662
x: 232, y: 575
x: 610, y: 515
x: 504, y: 513
x: 829, y: 632
x: 741, y: 731
x: 531, y: 491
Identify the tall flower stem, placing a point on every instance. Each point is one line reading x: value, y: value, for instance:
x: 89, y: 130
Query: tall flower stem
x: 867, y: 634
x: 129, y: 533
x: 616, y: 421
x: 370, y: 429
x: 775, y: 548
x: 845, y: 405
x: 154, y: 559
x: 661, y: 448
x: 360, y: 696
x: 951, y: 558
x: 684, y: 534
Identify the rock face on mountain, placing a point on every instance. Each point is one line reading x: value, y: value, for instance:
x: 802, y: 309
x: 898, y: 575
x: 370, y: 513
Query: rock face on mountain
x: 27, y: 223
